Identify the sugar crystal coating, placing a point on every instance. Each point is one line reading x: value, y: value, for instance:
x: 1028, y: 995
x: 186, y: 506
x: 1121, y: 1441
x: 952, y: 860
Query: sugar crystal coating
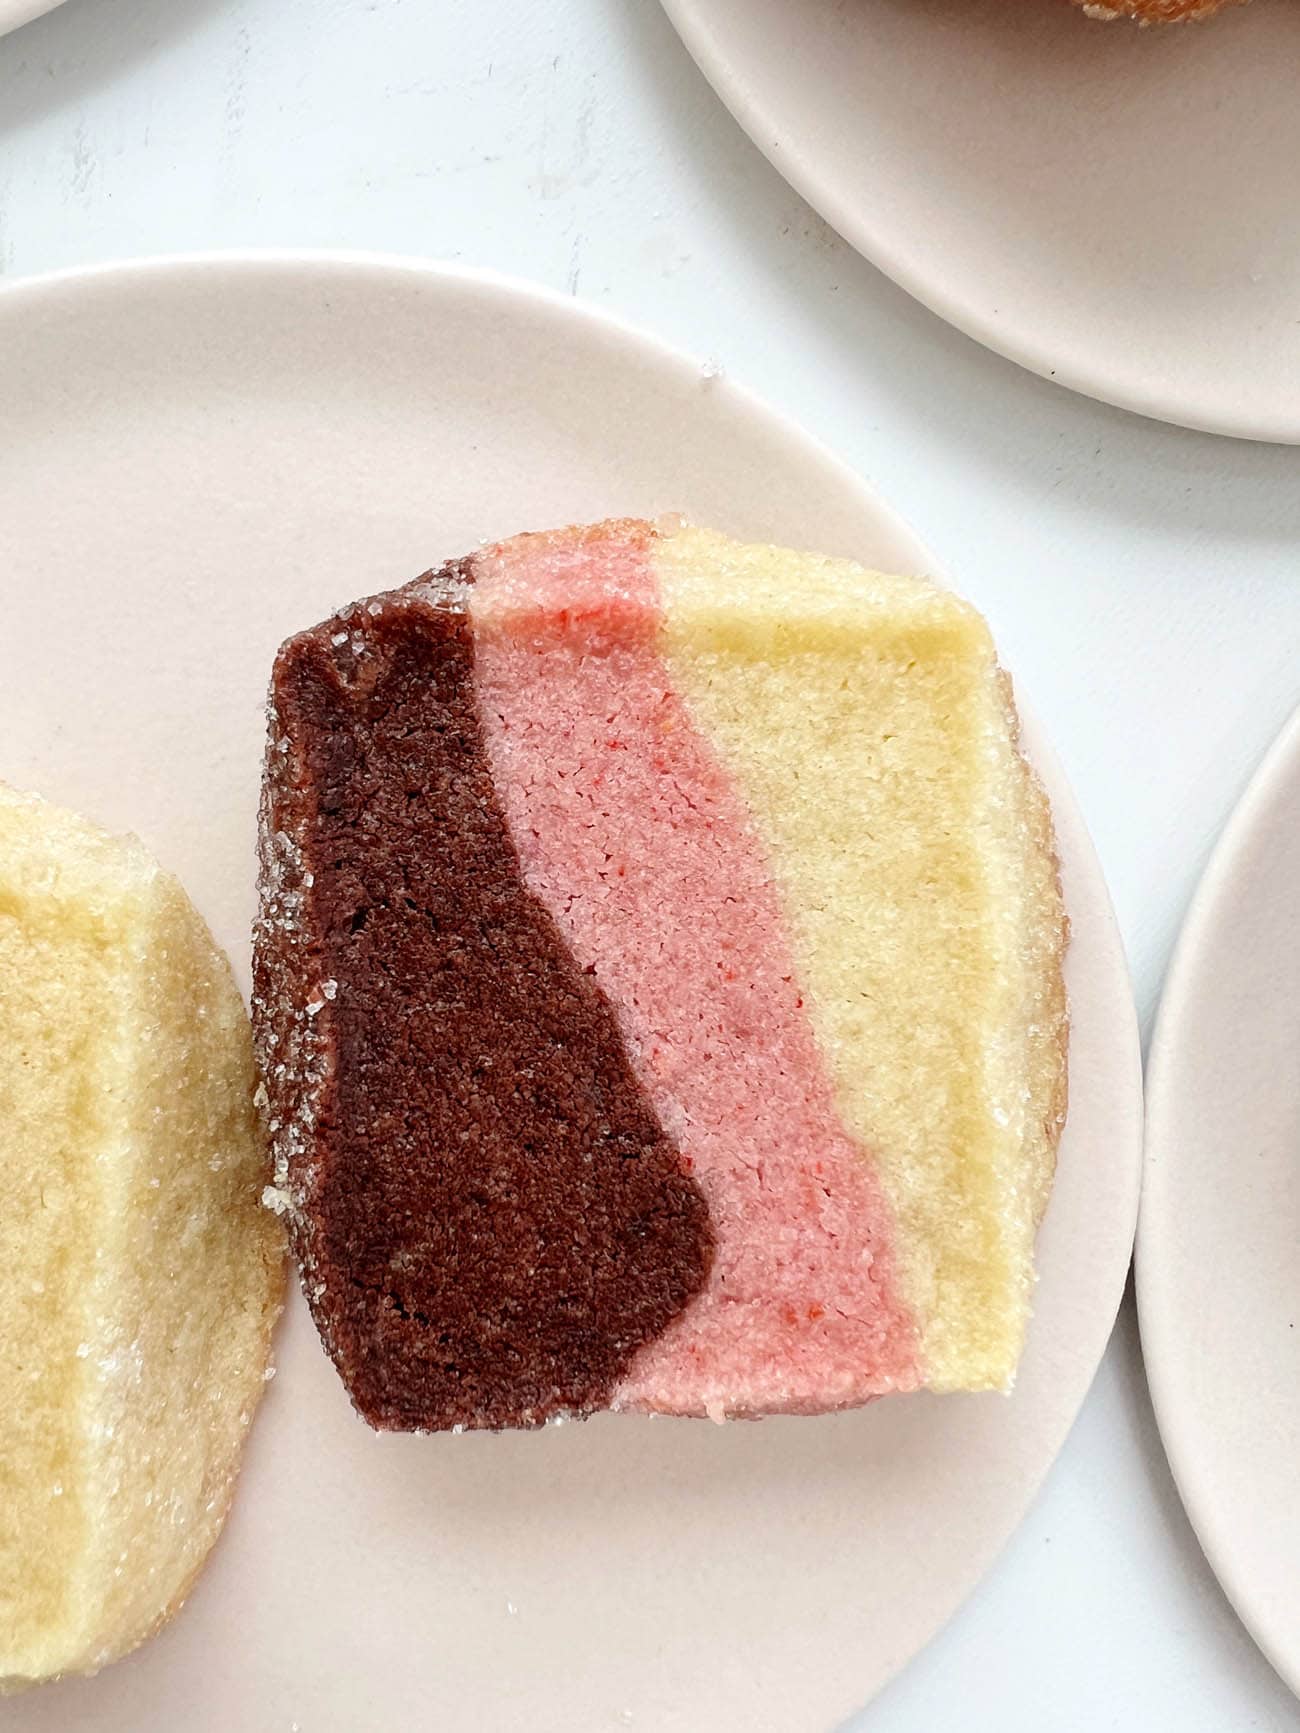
x: 722, y: 853
x: 489, y: 1217
x: 140, y: 1278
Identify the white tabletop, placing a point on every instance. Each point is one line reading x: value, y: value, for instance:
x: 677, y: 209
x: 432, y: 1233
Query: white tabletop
x: 1144, y: 582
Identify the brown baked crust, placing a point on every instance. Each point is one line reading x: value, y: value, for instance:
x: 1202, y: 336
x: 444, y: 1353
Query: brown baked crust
x: 489, y: 1217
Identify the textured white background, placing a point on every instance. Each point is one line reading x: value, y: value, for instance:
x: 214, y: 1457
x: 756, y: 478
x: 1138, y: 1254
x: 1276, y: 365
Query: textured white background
x: 1144, y: 582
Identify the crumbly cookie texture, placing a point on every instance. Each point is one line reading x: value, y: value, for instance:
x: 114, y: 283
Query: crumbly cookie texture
x: 658, y: 984
x: 1156, y: 11
x: 139, y: 1277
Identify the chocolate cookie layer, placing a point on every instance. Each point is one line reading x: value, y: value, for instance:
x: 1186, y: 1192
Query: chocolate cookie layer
x: 490, y: 1218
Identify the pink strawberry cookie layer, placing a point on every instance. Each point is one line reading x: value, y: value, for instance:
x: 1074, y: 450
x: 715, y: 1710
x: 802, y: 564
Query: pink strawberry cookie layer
x: 633, y: 838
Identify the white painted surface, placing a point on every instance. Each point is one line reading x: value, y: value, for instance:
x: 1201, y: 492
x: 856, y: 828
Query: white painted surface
x: 1144, y: 582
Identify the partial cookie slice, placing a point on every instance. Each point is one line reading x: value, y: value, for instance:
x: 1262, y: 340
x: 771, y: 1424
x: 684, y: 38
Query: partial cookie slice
x: 139, y: 1278
x: 658, y: 982
x: 1154, y: 11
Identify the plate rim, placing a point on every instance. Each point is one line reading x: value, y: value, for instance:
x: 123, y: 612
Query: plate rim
x: 15, y: 13
x: 789, y: 159
x: 124, y: 274
x: 567, y: 307
x: 1278, y: 770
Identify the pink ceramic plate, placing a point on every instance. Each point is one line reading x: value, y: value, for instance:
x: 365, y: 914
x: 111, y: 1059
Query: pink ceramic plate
x: 1218, y: 1263
x: 1118, y: 209
x: 16, y: 12
x: 197, y: 458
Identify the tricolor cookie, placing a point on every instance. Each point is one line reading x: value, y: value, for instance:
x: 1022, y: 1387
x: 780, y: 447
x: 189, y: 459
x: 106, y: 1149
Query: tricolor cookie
x: 657, y: 985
